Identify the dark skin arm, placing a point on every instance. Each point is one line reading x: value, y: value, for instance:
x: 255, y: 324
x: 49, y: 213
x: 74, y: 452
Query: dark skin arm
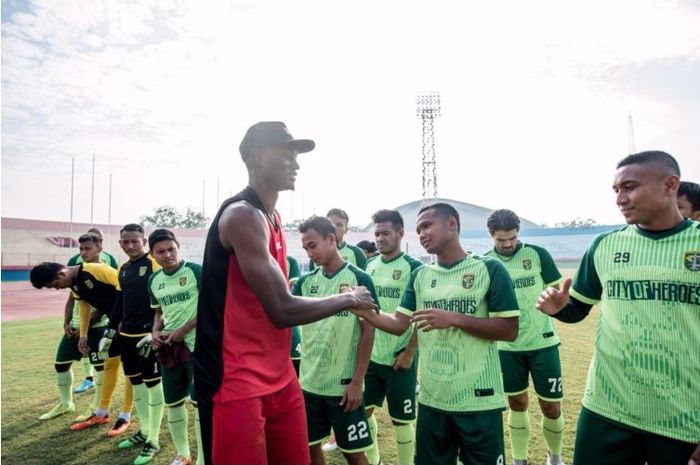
x: 495, y: 329
x: 243, y: 229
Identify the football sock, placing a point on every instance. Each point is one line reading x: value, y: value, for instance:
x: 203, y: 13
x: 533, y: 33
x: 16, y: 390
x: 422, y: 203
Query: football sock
x: 553, y: 430
x: 198, y: 430
x: 141, y: 401
x: 65, y: 387
x: 519, y: 426
x: 156, y: 403
x: 87, y: 368
x: 128, y: 396
x: 405, y: 443
x: 99, y: 377
x: 373, y: 453
x: 109, y: 382
x: 177, y: 424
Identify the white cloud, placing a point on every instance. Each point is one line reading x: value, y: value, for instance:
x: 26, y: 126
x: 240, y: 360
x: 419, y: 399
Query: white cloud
x: 534, y: 99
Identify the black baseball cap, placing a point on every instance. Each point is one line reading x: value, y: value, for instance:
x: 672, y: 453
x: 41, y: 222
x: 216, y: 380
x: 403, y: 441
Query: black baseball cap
x: 269, y: 134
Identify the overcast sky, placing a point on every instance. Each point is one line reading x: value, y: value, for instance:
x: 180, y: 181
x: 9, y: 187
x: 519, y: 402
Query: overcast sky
x: 535, y: 101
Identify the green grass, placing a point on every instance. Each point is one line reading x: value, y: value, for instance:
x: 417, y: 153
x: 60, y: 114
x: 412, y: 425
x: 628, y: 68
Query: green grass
x: 28, y: 390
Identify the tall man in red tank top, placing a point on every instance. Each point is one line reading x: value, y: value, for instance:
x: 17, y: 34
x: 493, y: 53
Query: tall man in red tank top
x: 250, y: 403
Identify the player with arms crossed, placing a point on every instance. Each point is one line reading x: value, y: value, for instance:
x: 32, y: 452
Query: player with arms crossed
x: 250, y: 404
x: 462, y: 305
x: 536, y: 350
x: 641, y: 403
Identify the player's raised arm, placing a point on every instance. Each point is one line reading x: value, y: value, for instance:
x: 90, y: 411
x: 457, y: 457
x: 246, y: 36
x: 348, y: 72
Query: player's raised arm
x: 242, y: 229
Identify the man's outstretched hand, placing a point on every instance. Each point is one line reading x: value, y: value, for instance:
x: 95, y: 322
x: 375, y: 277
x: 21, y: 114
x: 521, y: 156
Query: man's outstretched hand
x: 552, y: 300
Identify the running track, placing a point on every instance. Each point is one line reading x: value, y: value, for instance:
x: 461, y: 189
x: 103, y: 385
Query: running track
x: 20, y: 301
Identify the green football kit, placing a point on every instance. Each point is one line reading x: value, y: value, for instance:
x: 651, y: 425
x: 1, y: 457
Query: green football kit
x: 390, y: 278
x: 645, y: 368
x: 461, y: 382
x: 535, y: 351
x: 328, y: 360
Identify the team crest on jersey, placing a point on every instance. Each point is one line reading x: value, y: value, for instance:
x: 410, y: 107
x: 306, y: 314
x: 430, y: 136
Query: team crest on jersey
x: 89, y: 284
x: 183, y: 280
x: 142, y: 271
x: 691, y: 260
x: 344, y: 288
x: 527, y: 264
x: 468, y: 280
x: 396, y: 275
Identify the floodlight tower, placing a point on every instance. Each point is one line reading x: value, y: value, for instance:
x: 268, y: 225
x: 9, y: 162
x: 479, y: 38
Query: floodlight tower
x: 428, y: 108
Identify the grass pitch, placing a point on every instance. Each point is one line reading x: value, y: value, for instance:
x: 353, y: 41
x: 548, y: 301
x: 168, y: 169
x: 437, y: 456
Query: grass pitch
x: 28, y: 390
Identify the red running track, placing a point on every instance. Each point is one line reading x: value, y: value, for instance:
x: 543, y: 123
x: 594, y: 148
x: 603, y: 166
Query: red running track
x: 20, y: 301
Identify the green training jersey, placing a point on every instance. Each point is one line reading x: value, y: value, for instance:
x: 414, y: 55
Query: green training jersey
x: 329, y: 352
x: 645, y: 370
x: 531, y: 269
x: 176, y: 295
x: 390, y: 279
x: 349, y: 253
x: 460, y: 372
x: 75, y: 319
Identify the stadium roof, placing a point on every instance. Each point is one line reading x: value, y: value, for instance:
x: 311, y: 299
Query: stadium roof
x: 472, y: 217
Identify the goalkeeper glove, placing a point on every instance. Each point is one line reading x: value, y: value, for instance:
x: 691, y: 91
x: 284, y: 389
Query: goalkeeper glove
x: 145, y: 345
x: 105, y: 343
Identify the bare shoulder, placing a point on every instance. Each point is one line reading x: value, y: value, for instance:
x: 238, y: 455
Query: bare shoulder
x: 240, y: 221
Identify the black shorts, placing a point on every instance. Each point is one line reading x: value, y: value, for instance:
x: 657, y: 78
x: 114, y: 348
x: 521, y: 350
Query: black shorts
x: 134, y: 364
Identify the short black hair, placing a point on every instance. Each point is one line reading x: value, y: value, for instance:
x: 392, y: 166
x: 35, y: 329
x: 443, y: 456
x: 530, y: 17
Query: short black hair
x: 389, y: 216
x: 132, y: 227
x: 44, y: 273
x: 97, y: 232
x: 160, y: 235
x: 367, y: 246
x: 338, y: 212
x: 690, y: 191
x: 503, y: 220
x: 443, y: 209
x: 90, y: 237
x: 320, y: 224
x: 651, y: 156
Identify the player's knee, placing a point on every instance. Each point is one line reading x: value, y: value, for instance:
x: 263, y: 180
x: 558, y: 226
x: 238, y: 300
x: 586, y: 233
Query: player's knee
x: 518, y: 402
x: 551, y: 409
x: 62, y: 367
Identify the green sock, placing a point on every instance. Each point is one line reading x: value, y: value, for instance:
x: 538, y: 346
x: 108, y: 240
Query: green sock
x: 87, y: 367
x: 99, y: 375
x: 65, y: 387
x: 405, y: 443
x: 156, y: 402
x: 177, y: 424
x: 519, y: 426
x: 373, y: 453
x: 141, y: 402
x: 198, y: 430
x: 553, y: 431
